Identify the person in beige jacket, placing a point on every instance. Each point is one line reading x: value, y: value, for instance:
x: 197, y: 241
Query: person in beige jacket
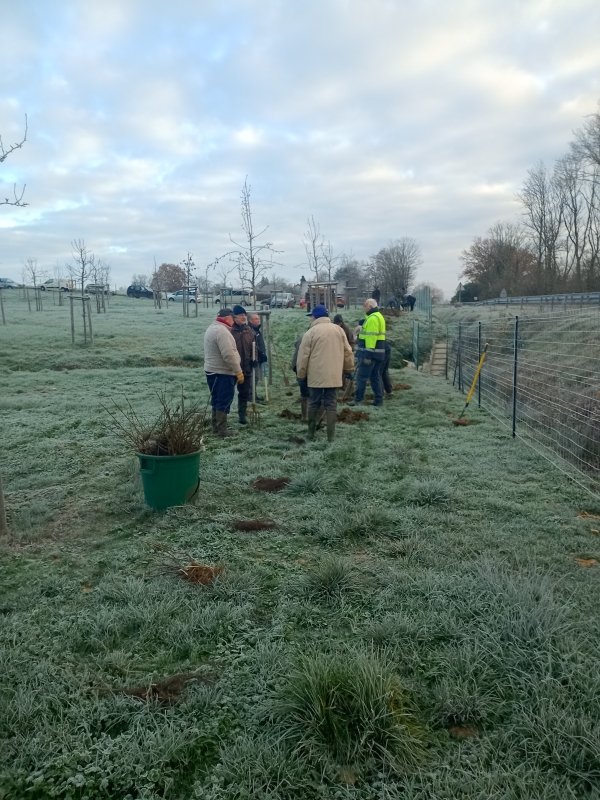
x: 323, y: 357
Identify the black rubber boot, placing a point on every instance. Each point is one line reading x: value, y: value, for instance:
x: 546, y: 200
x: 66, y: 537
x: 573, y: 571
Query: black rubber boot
x: 331, y: 420
x: 242, y: 406
x: 304, y: 409
x: 214, y: 422
x: 312, y: 423
x: 222, y: 430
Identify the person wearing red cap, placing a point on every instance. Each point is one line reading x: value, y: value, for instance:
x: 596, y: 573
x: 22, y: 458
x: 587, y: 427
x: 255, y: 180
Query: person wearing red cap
x: 223, y: 369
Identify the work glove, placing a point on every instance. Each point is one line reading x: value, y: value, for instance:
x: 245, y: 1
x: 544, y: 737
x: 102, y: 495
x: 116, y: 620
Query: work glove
x: 300, y: 382
x: 240, y: 377
x: 254, y: 364
x: 350, y: 375
x: 367, y: 362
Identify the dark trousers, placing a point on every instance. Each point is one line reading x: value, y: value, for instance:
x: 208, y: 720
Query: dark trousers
x: 323, y: 397
x: 385, y: 371
x: 365, y: 373
x: 245, y: 388
x: 222, y: 390
x: 304, y: 390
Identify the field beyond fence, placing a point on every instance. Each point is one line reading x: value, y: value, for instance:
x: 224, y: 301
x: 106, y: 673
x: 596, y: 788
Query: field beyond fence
x: 541, y: 377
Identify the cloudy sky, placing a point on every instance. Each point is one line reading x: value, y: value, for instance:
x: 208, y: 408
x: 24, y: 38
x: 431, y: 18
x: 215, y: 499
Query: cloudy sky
x: 381, y: 118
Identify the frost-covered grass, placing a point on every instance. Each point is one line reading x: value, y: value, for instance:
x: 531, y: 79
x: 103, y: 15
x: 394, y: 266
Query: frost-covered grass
x: 420, y: 580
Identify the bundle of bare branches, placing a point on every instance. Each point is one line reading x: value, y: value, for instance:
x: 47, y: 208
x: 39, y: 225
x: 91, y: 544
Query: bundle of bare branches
x: 175, y: 431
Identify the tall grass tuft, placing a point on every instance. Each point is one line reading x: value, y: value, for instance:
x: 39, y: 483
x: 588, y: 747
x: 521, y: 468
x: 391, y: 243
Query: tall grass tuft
x: 329, y: 580
x: 432, y: 491
x: 351, y: 708
x: 310, y: 481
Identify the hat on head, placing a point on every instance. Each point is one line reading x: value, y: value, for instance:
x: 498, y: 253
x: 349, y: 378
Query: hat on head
x: 318, y: 311
x: 239, y: 310
x: 338, y: 318
x: 226, y: 312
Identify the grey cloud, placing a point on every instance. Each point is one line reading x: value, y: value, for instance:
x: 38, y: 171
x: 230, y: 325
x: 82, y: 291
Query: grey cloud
x: 382, y: 119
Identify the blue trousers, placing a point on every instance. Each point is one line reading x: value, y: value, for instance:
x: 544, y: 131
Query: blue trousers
x: 222, y: 390
x: 365, y: 373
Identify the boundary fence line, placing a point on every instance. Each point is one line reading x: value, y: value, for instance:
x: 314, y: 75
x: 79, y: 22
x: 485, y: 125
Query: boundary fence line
x: 552, y: 301
x: 541, y: 377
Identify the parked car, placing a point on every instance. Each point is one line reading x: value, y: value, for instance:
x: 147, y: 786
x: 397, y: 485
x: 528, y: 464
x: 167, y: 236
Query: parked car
x: 52, y: 283
x: 232, y: 297
x: 177, y: 297
x: 282, y: 300
x: 6, y: 283
x: 139, y: 291
x: 98, y: 288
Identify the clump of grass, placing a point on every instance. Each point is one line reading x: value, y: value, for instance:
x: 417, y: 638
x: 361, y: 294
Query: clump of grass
x: 349, y: 707
x: 433, y: 491
x: 309, y: 481
x: 364, y: 522
x: 329, y: 580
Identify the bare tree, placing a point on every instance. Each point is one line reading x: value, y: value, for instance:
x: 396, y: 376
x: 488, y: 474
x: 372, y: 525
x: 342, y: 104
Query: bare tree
x: 34, y: 275
x: 79, y: 270
x: 329, y: 260
x: 33, y: 272
x: 587, y: 140
x: 313, y: 246
x: 188, y: 267
x: 253, y: 259
x: 4, y: 154
x: 140, y: 279
x: 394, y: 267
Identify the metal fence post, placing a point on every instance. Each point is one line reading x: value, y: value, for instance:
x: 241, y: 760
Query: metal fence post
x: 478, y: 360
x: 515, y: 350
x: 447, y: 343
x: 460, y: 356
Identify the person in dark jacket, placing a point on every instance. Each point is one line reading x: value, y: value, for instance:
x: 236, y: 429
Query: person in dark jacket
x: 339, y: 320
x: 385, y: 372
x: 261, y: 350
x: 244, y: 339
x: 302, y: 385
x: 376, y: 294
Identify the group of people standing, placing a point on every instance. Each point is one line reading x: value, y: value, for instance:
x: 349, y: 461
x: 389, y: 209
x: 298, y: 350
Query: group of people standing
x: 234, y: 351
x: 324, y: 360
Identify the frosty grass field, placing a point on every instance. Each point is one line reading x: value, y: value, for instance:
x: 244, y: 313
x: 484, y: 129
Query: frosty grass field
x: 415, y: 626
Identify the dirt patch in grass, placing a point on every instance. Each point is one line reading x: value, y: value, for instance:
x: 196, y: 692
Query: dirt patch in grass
x: 254, y: 524
x: 200, y: 573
x: 401, y: 387
x: 287, y: 414
x: 352, y: 417
x: 167, y: 691
x: 296, y: 440
x: 460, y: 423
x: 270, y: 484
x: 463, y: 731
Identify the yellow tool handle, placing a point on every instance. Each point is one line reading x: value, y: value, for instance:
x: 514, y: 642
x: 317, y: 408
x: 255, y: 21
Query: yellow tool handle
x: 479, y: 366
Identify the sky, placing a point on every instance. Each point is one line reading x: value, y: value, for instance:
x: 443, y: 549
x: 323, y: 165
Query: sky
x: 379, y: 118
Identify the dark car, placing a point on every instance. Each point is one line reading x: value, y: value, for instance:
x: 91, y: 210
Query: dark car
x: 139, y: 291
x: 6, y: 283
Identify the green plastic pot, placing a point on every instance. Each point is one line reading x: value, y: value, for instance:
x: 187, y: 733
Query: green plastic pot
x: 169, y: 480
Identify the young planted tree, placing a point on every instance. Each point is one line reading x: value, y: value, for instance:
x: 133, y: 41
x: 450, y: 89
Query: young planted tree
x: 188, y: 267
x: 79, y: 271
x: 253, y: 258
x: 4, y: 154
x: 313, y: 242
x: 34, y: 275
x: 329, y: 260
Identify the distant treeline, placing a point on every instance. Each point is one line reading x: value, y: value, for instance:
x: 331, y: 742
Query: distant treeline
x: 556, y: 246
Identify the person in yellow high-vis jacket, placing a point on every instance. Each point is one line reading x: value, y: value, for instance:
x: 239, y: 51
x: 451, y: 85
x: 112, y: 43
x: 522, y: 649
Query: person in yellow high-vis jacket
x: 370, y: 353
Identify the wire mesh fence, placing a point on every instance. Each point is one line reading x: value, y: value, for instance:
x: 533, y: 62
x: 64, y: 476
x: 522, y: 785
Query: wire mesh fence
x: 541, y: 377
